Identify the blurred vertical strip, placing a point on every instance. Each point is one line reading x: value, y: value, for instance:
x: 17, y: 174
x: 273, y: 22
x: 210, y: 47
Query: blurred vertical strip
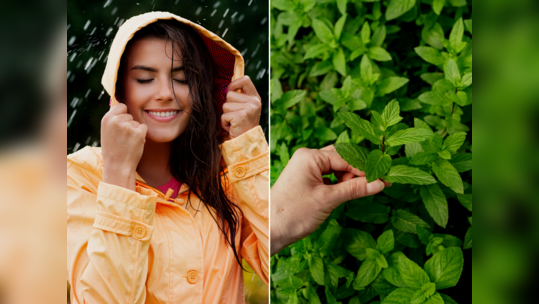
x: 506, y: 129
x: 33, y: 135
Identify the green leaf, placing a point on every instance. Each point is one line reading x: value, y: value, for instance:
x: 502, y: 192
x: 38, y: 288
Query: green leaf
x: 406, y: 221
x: 377, y: 165
x: 378, y: 53
x: 455, y: 38
x: 444, y: 154
x: 316, y: 267
x: 445, y: 267
x: 322, y: 31
x: 433, y: 35
x: 325, y: 133
x: 409, y: 136
x: 462, y: 161
x: 378, y: 36
x: 447, y: 299
x: 327, y: 239
x: 399, y: 296
x: 371, y: 213
x: 366, y: 33
x: 357, y: 241
x: 418, y: 297
x: 391, y: 274
x: 453, y: 142
x: 424, y: 235
x: 283, y: 154
x: 386, y: 242
x: 423, y: 158
x: 339, y: 62
x: 391, y: 84
x: 339, y: 26
x: 468, y: 24
x: 289, y: 99
x: 408, y: 175
x: 437, y: 6
x: 341, y: 5
x: 468, y: 239
x: 311, y: 295
x: 448, y: 175
x: 435, y: 299
x: 412, y: 275
x: 366, y: 69
x: 397, y: 8
x: 382, y: 286
x: 436, y: 203
x: 355, y: 155
x: 368, y: 271
x: 466, y: 80
x: 322, y: 68
x: 465, y: 200
x: 316, y: 50
x: 452, y: 73
x: 361, y: 126
x: 430, y: 54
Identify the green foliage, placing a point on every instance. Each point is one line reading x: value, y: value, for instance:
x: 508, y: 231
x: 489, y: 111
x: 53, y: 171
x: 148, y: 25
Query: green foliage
x: 389, y: 84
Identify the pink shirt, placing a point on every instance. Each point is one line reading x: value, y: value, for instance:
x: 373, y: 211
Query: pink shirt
x: 172, y: 184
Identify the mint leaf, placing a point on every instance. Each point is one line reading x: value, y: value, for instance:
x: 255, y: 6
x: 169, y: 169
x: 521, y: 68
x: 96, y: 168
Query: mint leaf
x: 409, y: 136
x: 324, y: 133
x: 366, y: 33
x: 448, y: 175
x: 468, y: 239
x: 366, y: 69
x: 357, y: 241
x: 361, y: 126
x: 355, y: 155
x: 424, y: 235
x: 451, y: 71
x: 412, y: 275
x: 289, y: 99
x: 408, y: 175
x: 386, y: 242
x: 378, y: 53
x: 430, y: 54
x: 412, y: 149
x: 435, y: 299
x: 436, y: 203
x: 419, y: 124
x: 447, y: 299
x: 465, y: 200
x: 418, y: 297
x: 339, y: 26
x: 397, y: 8
x: 316, y: 50
x: 391, y: 112
x: 340, y: 62
x: 378, y: 120
x: 406, y: 221
x: 462, y: 161
x: 370, y: 213
x: 327, y: 240
x: 423, y: 158
x: 341, y: 5
x: 433, y: 144
x: 445, y: 267
x: 310, y: 294
x: 455, y: 38
x: 377, y: 165
x: 453, y: 142
x: 322, y: 31
x: 399, y: 296
x: 316, y: 267
x: 391, y: 84
x: 368, y: 271
x: 444, y: 154
x: 437, y: 6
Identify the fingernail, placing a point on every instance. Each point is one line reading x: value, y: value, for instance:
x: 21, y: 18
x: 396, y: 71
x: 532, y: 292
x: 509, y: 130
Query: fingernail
x: 375, y: 187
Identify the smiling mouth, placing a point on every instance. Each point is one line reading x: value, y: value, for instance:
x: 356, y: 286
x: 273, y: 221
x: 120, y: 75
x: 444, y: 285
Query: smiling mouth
x: 162, y: 113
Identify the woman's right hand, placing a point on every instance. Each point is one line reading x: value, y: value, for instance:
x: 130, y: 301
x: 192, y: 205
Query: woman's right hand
x: 122, y: 145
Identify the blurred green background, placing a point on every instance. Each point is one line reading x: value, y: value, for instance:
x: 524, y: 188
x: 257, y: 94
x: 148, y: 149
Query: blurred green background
x: 91, y: 26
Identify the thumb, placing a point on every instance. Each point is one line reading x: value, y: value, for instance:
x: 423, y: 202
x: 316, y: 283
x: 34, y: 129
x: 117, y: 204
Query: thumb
x: 352, y: 189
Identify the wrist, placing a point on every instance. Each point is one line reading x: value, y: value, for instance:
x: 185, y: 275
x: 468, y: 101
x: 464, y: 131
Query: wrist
x: 119, y: 176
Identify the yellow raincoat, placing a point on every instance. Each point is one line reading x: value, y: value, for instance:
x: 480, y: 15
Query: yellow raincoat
x: 145, y: 247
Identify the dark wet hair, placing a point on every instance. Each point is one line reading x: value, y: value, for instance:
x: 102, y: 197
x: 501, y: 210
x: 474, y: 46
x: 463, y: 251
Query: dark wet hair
x: 196, y: 157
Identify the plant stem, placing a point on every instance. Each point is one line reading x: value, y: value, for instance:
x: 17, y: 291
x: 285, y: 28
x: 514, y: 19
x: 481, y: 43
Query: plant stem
x: 383, y: 143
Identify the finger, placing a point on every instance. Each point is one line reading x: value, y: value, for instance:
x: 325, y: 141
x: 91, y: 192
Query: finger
x: 226, y: 120
x: 327, y: 181
x: 346, y: 177
x: 329, y: 148
x: 133, y: 124
x: 235, y: 106
x: 245, y: 85
x: 352, y: 189
x: 118, y: 109
x: 232, y: 96
x: 331, y: 161
x: 143, y: 129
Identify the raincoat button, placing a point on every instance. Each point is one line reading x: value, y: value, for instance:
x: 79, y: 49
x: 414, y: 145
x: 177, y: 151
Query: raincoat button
x: 192, y: 276
x: 240, y: 172
x: 139, y: 232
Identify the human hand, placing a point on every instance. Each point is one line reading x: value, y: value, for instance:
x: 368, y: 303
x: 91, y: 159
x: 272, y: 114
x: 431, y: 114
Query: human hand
x: 122, y: 145
x: 301, y: 199
x: 241, y: 111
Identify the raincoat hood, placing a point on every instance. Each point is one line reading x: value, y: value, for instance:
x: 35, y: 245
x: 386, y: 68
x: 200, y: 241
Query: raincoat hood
x: 229, y: 62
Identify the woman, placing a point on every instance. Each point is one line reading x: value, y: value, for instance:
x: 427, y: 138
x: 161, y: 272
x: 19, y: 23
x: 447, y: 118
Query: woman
x: 163, y: 213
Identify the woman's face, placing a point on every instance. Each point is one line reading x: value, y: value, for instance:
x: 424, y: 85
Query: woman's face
x: 148, y: 89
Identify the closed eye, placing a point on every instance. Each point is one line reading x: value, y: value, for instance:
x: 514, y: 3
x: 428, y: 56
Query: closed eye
x: 144, y: 80
x: 181, y: 81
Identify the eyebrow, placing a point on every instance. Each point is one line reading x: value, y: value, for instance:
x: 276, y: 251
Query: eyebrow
x: 145, y: 68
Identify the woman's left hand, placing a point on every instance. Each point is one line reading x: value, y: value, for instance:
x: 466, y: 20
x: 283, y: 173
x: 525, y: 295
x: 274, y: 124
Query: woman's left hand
x: 241, y: 111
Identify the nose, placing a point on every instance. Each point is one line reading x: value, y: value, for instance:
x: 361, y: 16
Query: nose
x: 165, y: 92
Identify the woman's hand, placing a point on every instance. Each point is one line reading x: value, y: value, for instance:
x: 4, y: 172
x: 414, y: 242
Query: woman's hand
x: 122, y: 145
x: 301, y: 199
x: 241, y: 111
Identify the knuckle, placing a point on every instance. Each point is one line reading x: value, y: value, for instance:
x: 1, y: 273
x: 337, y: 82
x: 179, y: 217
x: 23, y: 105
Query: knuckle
x: 357, y: 190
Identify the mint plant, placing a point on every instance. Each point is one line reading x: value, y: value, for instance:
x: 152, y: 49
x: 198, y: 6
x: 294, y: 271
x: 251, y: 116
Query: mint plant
x: 389, y: 84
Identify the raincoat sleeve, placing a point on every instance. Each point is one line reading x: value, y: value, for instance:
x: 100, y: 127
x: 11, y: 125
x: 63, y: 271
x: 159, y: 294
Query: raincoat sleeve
x: 108, y: 233
x: 247, y: 158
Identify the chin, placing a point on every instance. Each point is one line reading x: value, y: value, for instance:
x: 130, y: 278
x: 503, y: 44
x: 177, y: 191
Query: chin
x: 162, y: 138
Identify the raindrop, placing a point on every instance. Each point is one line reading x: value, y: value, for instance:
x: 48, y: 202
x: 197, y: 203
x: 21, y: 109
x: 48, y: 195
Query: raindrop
x: 74, y: 102
x: 107, y: 3
x: 233, y: 15
x: 68, y: 74
x: 79, y: 64
x: 226, y: 12
x: 77, y: 145
x: 73, y: 57
x: 251, y: 1
x: 88, y: 140
x: 199, y: 9
x: 264, y: 21
x: 86, y: 25
x: 213, y: 13
x: 243, y: 53
x: 93, y: 31
x: 115, y: 21
x: 261, y: 74
x: 68, y: 26
x: 87, y: 93
x: 241, y: 17
x: 120, y: 22
x: 176, y: 2
x: 71, y: 118
x: 221, y: 23
x: 224, y: 33
x: 109, y: 31
x: 256, y: 50
x: 216, y: 5
x: 99, y: 98
x: 94, y: 144
x: 114, y: 10
x: 88, y: 63
x: 71, y: 41
x: 258, y: 64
